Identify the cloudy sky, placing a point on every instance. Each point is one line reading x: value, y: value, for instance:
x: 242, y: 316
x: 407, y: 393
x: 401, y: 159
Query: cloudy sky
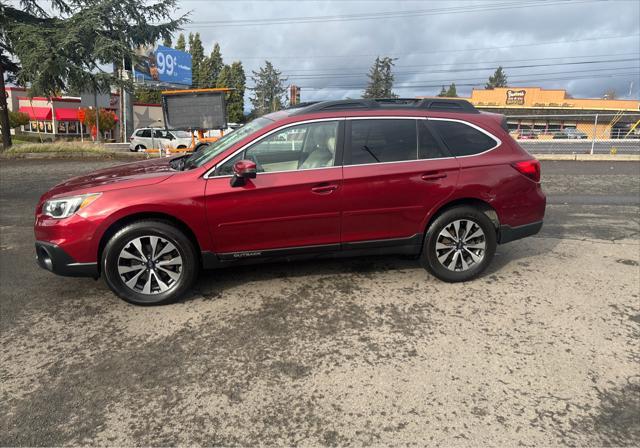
x: 326, y: 47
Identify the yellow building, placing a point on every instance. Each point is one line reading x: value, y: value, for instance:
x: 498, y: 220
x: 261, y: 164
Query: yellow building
x: 542, y: 113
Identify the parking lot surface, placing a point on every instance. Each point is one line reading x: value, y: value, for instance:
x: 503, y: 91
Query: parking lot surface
x: 541, y: 350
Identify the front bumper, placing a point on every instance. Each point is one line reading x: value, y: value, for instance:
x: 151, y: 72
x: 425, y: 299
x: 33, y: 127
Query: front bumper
x: 507, y: 234
x: 53, y: 258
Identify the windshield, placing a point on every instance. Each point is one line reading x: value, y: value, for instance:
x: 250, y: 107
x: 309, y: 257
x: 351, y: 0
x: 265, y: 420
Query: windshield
x: 213, y: 149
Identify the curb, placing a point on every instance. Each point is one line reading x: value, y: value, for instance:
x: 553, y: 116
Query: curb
x: 74, y: 155
x: 590, y: 157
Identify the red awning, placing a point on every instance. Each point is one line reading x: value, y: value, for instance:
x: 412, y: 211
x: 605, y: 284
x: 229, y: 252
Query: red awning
x: 66, y: 114
x: 36, y: 113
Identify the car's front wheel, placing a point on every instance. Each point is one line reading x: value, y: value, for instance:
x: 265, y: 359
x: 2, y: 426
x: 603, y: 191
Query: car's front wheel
x: 149, y: 263
x: 459, y: 244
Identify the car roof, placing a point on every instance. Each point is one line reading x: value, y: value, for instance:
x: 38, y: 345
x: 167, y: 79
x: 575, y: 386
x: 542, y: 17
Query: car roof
x: 438, y: 104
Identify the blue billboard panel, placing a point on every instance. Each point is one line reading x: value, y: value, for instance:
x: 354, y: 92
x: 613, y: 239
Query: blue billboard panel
x: 164, y: 64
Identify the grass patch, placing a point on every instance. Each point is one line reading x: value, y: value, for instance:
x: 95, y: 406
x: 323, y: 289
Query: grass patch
x: 63, y: 150
x: 57, y: 147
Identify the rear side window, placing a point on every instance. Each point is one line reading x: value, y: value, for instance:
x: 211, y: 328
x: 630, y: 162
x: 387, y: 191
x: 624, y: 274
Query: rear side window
x: 378, y: 141
x: 144, y: 133
x: 462, y: 139
x: 428, y: 146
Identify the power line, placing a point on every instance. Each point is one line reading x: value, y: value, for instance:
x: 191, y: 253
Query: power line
x: 476, y: 81
x: 505, y: 47
x: 457, y: 70
x: 382, y: 14
x: 503, y: 61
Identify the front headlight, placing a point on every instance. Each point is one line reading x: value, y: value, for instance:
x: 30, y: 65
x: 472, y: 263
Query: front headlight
x: 65, y: 207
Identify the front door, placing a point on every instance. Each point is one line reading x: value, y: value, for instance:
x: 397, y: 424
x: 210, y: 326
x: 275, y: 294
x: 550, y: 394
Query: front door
x: 294, y: 201
x: 395, y: 173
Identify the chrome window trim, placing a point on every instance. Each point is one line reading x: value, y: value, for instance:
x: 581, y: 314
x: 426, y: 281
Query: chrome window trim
x: 385, y: 117
x: 209, y: 174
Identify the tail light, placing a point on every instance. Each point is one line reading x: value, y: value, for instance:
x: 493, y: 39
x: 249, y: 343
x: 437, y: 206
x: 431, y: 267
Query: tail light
x: 529, y: 168
x: 131, y: 138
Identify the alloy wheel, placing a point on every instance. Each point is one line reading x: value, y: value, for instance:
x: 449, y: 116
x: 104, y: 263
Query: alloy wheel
x: 461, y: 245
x: 150, y: 265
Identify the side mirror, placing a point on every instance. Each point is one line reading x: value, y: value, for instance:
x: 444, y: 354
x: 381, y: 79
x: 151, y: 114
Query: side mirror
x: 243, y: 170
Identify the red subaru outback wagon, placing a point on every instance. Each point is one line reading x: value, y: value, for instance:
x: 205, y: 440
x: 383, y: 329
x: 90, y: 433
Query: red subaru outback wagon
x: 432, y: 178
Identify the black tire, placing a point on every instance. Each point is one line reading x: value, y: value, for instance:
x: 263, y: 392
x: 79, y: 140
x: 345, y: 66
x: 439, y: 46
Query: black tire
x: 143, y: 229
x: 429, y: 255
x: 139, y: 148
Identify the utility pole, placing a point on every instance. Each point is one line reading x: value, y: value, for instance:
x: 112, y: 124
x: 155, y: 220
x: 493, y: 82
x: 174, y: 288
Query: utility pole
x: 595, y: 132
x: 4, y: 113
x: 95, y: 103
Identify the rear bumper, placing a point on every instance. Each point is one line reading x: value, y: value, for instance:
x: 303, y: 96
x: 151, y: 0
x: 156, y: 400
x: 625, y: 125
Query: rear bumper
x: 508, y: 233
x: 53, y: 258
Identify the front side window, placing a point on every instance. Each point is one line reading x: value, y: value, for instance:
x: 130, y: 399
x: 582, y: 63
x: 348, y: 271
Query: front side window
x: 219, y: 146
x: 378, y: 141
x: 462, y: 139
x: 305, y: 146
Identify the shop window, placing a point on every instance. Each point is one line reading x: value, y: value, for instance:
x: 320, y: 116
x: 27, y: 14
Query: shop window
x: 62, y: 127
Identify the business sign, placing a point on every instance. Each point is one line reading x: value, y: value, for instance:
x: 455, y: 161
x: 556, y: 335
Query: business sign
x: 163, y: 65
x: 515, y: 97
x: 202, y: 109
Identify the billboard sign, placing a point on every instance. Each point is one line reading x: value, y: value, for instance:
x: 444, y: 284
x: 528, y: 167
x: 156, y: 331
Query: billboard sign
x: 195, y: 109
x: 163, y: 65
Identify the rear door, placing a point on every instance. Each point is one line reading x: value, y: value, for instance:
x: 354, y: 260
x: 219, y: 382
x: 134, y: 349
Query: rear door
x: 395, y: 173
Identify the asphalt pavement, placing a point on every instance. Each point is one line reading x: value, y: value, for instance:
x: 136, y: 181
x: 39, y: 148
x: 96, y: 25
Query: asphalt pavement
x: 541, y: 350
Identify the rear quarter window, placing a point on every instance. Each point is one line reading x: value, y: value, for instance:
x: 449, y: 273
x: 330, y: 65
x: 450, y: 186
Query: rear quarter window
x: 462, y: 139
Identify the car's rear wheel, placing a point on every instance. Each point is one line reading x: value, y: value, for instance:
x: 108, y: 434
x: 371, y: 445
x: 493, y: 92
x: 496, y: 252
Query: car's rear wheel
x: 459, y: 244
x: 139, y: 148
x: 149, y: 263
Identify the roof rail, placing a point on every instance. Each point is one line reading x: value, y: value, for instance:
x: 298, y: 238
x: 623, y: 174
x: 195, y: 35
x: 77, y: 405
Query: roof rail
x: 441, y: 104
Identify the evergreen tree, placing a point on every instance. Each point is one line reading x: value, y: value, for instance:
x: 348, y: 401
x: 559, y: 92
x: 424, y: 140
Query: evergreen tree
x: 269, y: 93
x: 181, y: 44
x: 498, y: 79
x: 167, y: 41
x: 210, y: 68
x: 450, y: 92
x: 380, y: 79
x: 233, y: 77
x: 197, y: 57
x: 62, y: 46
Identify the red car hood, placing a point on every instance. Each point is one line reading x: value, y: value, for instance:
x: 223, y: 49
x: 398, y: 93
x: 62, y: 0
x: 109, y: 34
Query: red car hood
x: 122, y: 176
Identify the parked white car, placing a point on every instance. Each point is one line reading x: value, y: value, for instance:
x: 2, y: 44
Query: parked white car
x: 141, y: 139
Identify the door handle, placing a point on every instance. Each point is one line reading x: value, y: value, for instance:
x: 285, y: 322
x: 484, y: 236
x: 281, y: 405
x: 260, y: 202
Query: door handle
x: 324, y: 189
x: 433, y: 176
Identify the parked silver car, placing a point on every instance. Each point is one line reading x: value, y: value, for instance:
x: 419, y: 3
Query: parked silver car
x: 144, y: 138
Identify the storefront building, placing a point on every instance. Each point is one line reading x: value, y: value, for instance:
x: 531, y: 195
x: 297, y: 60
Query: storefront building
x: 533, y: 112
x: 58, y: 117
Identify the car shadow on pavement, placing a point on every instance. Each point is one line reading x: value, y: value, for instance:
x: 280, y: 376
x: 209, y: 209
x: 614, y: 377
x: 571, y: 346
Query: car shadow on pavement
x: 212, y: 283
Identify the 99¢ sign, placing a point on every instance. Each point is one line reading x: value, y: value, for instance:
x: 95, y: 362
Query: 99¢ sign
x: 166, y: 63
